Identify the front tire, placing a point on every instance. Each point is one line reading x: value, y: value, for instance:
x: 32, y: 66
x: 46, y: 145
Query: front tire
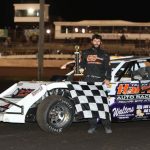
x: 55, y: 113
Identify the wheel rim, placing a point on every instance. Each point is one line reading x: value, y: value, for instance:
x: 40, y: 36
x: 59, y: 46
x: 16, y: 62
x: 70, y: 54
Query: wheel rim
x: 58, y: 115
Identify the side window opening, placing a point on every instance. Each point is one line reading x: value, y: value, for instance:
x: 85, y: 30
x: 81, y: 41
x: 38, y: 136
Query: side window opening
x: 125, y: 71
x: 142, y: 73
x: 135, y: 70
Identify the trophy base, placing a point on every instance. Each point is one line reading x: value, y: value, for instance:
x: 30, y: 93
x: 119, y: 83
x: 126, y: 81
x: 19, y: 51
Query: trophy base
x: 78, y: 77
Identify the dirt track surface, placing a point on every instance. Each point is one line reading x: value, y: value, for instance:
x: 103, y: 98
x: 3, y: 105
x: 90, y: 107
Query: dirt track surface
x: 125, y: 136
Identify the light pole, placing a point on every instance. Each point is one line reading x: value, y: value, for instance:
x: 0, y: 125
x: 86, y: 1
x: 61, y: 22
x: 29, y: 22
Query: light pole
x: 41, y: 41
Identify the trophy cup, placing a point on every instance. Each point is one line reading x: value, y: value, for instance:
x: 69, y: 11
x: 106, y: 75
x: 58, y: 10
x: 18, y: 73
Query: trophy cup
x: 77, y: 75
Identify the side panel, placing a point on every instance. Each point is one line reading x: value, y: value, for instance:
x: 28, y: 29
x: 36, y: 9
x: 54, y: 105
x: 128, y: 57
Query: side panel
x: 130, y: 101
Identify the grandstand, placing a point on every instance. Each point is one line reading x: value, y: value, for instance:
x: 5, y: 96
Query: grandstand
x: 109, y: 29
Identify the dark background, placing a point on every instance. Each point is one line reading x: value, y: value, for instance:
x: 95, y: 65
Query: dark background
x: 76, y: 10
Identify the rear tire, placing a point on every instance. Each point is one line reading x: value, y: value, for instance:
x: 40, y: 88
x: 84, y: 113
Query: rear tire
x: 55, y: 113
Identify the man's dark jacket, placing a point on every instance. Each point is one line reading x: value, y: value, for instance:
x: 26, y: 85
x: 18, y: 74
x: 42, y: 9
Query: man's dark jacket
x: 96, y: 62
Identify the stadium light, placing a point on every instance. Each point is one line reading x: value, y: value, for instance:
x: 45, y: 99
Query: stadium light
x: 30, y: 11
x: 76, y: 30
x: 48, y: 31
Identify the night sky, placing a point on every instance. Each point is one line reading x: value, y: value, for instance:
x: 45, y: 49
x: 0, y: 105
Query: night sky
x: 77, y: 10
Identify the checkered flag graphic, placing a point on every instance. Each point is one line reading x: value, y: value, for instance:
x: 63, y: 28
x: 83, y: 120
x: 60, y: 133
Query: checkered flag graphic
x: 90, y: 99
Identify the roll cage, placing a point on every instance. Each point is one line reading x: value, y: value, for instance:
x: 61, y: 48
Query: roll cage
x: 131, y: 67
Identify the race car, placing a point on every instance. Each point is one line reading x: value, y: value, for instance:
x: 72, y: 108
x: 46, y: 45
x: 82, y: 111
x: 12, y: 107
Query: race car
x: 51, y: 105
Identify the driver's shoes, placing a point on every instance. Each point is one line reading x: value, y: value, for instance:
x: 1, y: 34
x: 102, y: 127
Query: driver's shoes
x: 92, y: 130
x: 108, y: 130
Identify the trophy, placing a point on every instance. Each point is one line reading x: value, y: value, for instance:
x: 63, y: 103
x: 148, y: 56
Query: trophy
x: 77, y: 74
x: 77, y: 58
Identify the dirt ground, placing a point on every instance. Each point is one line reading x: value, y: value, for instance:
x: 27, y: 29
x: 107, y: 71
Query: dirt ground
x: 125, y: 136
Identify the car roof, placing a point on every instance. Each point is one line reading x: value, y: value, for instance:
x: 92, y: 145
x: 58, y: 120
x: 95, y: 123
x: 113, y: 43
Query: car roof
x: 134, y: 58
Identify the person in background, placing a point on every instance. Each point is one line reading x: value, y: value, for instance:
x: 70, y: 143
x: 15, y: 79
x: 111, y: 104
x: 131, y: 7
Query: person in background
x: 95, y: 63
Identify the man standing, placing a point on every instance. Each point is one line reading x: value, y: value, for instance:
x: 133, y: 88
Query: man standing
x: 96, y: 65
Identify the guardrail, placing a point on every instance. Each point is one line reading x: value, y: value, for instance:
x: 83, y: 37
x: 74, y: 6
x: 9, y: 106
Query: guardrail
x: 47, y: 56
x: 30, y: 61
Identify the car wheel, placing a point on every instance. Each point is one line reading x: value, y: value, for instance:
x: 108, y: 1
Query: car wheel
x: 55, y: 113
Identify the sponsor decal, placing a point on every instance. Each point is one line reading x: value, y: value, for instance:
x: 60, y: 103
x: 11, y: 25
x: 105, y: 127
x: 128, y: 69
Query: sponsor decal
x: 133, y: 91
x: 94, y: 59
x: 131, y: 111
x: 37, y: 91
x: 142, y: 110
x: 122, y: 111
x: 132, y: 102
x: 21, y: 93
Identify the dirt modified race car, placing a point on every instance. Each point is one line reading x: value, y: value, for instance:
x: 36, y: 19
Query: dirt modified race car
x: 50, y: 103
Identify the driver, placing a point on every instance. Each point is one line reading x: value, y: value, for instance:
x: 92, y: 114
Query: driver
x: 96, y: 65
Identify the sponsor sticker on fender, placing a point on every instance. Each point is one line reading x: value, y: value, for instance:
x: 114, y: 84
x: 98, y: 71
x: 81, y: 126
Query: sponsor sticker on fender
x: 133, y: 91
x: 132, y: 101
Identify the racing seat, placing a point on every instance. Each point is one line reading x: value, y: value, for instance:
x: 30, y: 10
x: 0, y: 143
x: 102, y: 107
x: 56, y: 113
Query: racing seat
x: 142, y: 73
